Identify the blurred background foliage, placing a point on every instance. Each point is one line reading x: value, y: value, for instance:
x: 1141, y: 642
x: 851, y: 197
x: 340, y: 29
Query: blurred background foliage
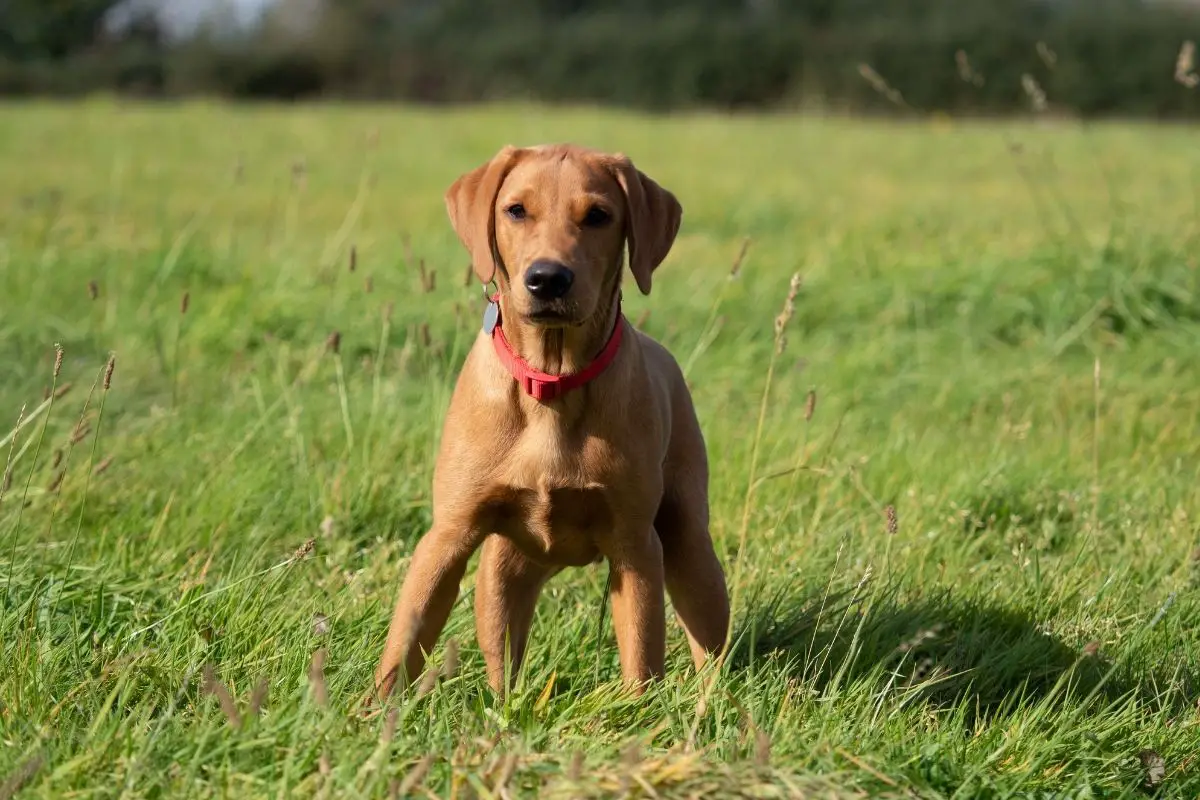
x: 1089, y: 57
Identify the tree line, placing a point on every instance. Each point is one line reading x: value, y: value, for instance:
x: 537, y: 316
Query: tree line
x: 1086, y: 57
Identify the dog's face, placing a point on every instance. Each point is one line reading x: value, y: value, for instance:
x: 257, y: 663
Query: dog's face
x: 550, y: 224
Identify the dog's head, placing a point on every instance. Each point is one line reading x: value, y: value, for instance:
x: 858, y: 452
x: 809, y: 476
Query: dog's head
x: 551, y: 225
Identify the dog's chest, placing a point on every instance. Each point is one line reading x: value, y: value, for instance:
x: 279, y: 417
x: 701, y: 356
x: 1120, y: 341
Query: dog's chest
x: 554, y: 500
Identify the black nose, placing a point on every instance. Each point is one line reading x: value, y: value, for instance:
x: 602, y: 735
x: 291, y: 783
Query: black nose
x: 548, y: 280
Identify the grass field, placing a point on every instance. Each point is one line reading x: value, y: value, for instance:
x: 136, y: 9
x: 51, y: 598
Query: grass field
x: 1000, y: 325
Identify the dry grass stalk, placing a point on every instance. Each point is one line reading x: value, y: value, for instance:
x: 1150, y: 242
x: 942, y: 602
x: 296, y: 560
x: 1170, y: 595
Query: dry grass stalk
x: 353, y: 258
x: 6, y: 482
x: 369, y: 284
x: 508, y: 766
x: 965, y: 71
x: 415, y: 776
x: 56, y: 459
x: 762, y: 748
x: 880, y: 85
x: 428, y: 277
x: 1037, y: 97
x: 108, y: 372
x: 19, y: 777
x: 893, y: 524
x: 103, y: 466
x: 389, y: 726
x: 1185, y: 65
x: 60, y: 391
x: 810, y: 405
x: 54, y: 484
x: 450, y: 665
x: 785, y: 316
x: 184, y: 302
x: 316, y: 678
x: 1048, y: 56
x: 738, y: 260
x: 218, y: 690
x: 258, y: 697
x: 575, y: 768
x: 429, y: 681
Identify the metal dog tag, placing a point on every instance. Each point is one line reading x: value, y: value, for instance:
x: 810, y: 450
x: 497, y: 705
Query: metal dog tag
x: 491, y: 316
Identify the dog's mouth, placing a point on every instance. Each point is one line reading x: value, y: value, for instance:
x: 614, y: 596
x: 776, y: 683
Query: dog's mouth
x: 551, y: 315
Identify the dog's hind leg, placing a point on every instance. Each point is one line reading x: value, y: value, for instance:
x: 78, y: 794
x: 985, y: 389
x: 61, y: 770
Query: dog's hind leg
x: 694, y: 578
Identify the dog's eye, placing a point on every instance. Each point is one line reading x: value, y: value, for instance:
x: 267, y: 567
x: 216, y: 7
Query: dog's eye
x: 516, y: 211
x: 596, y: 217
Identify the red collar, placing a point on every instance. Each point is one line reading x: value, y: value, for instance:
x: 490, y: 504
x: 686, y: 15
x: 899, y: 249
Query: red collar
x: 542, y: 386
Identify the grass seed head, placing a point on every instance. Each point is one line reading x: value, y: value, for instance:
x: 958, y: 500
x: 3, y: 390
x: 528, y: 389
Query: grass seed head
x: 762, y: 748
x: 353, y: 258
x: 965, y: 71
x: 184, y: 301
x: 333, y: 342
x: 304, y: 550
x: 880, y: 85
x: 1048, y: 56
x: 415, y: 776
x: 103, y: 466
x: 258, y: 697
x: 1185, y: 65
x: 20, y: 776
x: 389, y: 726
x: 316, y: 678
x: 575, y: 768
x: 893, y: 524
x: 108, y: 371
x: 450, y: 665
x: 218, y: 690
x: 1037, y: 97
x: 93, y: 290
x: 810, y: 405
x: 785, y: 315
x: 58, y: 359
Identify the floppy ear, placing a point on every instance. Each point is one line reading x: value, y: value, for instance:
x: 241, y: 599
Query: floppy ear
x: 470, y: 203
x: 652, y: 220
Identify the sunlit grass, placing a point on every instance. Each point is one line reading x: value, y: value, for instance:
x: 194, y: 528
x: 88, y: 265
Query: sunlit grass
x: 999, y: 326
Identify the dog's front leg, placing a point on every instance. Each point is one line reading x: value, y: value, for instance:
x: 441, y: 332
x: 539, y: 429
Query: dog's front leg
x: 426, y: 597
x: 638, y: 607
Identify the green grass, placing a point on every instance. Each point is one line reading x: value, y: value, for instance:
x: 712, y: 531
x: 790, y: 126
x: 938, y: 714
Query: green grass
x: 1001, y: 323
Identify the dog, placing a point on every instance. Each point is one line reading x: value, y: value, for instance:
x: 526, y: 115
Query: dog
x: 570, y: 437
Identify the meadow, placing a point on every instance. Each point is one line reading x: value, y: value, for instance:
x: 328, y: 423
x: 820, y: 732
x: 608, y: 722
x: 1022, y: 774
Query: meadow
x: 956, y: 496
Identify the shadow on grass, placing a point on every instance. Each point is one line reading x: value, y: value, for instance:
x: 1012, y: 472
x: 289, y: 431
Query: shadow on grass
x: 949, y: 650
